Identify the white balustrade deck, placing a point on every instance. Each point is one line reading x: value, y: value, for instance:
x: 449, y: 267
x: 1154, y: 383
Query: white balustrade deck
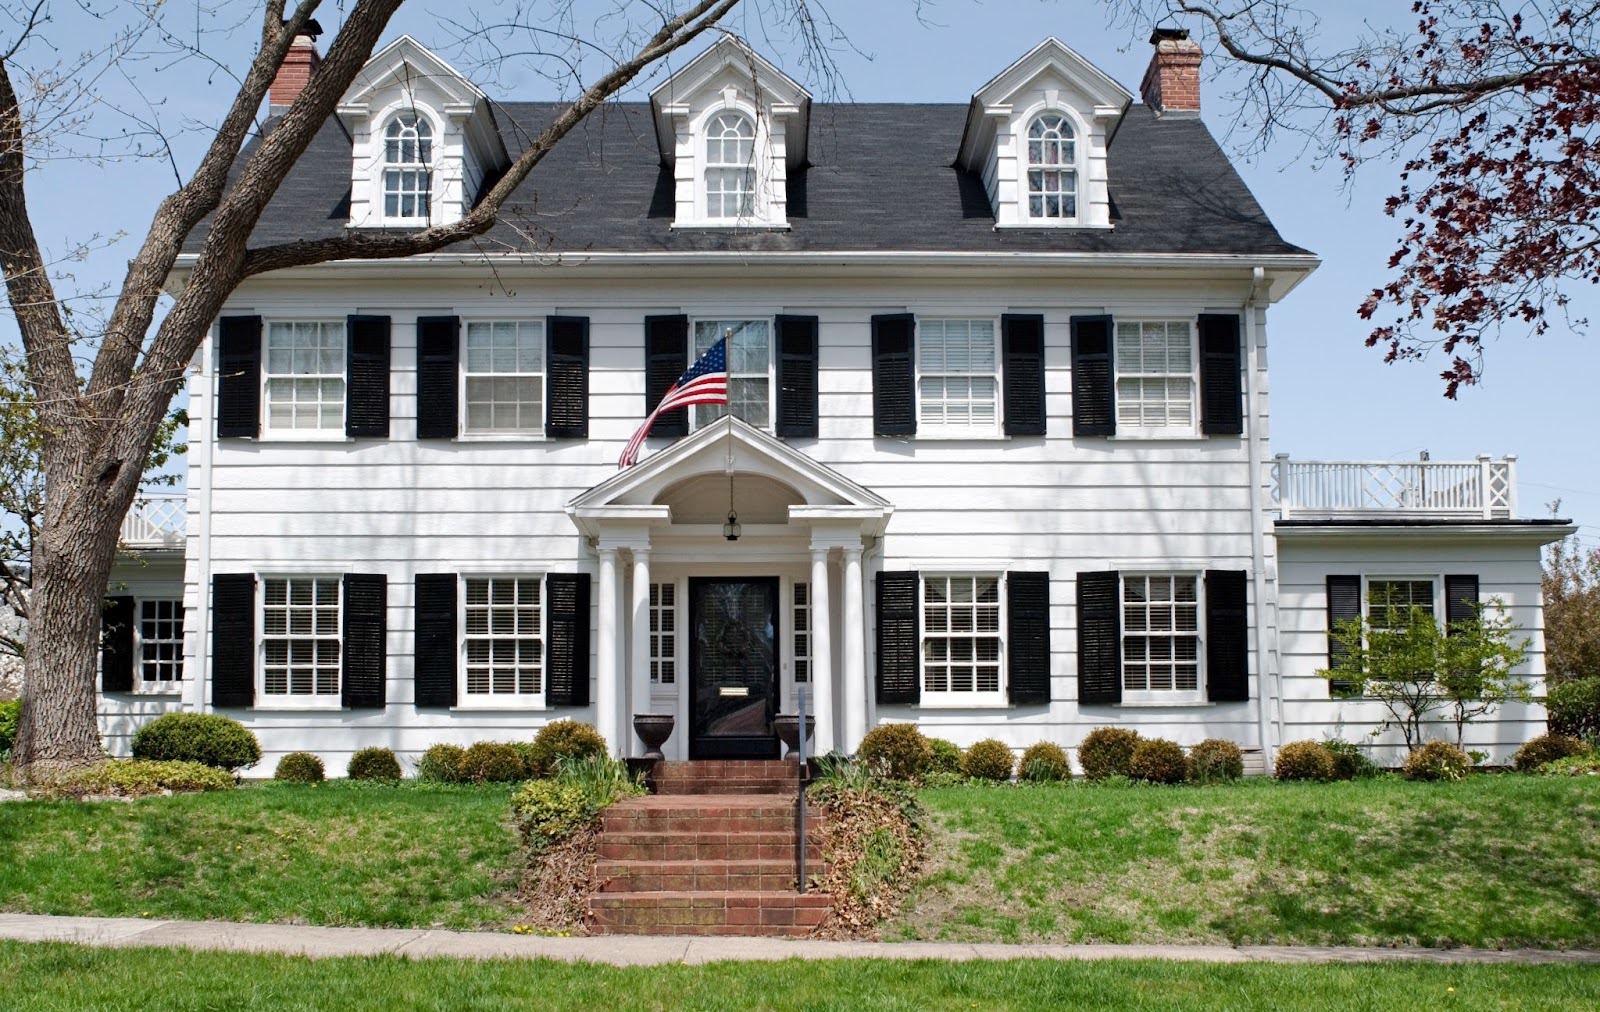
x: 155, y: 521
x: 1483, y: 489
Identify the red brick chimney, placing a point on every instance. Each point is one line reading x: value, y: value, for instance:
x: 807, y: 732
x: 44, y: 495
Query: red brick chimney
x: 1172, y: 81
x: 299, y: 63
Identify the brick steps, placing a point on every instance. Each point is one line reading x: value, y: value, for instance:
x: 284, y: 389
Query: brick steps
x: 726, y: 777
x: 744, y: 846
x: 699, y: 876
x: 708, y: 913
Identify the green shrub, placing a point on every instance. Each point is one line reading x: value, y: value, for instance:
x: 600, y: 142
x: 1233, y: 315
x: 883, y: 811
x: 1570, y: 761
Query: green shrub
x: 373, y: 764
x: 1546, y: 748
x: 1436, y: 760
x: 898, y: 751
x: 1574, y: 708
x: 441, y: 764
x: 549, y: 811
x: 136, y: 778
x: 946, y: 757
x: 10, y: 717
x: 1350, y: 761
x: 1043, y: 763
x: 207, y: 738
x: 1586, y: 765
x: 524, y: 750
x: 601, y: 778
x: 1158, y: 761
x: 1215, y: 761
x: 301, y: 768
x: 1304, y: 760
x: 1106, y: 752
x: 492, y: 762
x: 987, y: 760
x: 563, y: 739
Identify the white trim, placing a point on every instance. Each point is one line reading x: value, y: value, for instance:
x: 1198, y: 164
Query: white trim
x: 975, y: 698
x: 505, y: 701
x: 1082, y: 140
x: 1165, y: 697
x: 946, y: 432
x: 467, y: 435
x: 263, y: 700
x: 266, y: 431
x: 1130, y: 431
x: 173, y: 687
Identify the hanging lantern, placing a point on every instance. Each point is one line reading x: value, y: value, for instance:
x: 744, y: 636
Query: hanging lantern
x: 732, y: 529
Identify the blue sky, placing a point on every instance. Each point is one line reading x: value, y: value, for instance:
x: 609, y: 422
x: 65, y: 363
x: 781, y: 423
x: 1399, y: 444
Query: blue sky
x: 1331, y: 397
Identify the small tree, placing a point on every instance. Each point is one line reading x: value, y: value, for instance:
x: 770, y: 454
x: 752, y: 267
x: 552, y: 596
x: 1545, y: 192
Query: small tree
x: 1571, y: 586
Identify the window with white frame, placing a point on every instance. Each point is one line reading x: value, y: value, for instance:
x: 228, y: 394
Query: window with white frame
x: 1155, y: 365
x: 1390, y: 599
x: 304, y: 375
x: 730, y: 166
x: 160, y: 650
x: 663, y: 633
x: 408, y: 167
x: 802, y: 632
x: 1161, y: 637
x: 749, y: 369
x: 504, y: 638
x: 961, y: 640
x: 503, y: 377
x: 956, y: 374
x: 1052, y: 168
x: 300, y: 637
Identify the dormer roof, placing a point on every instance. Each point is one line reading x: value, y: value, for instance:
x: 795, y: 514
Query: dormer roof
x: 773, y: 89
x: 404, y: 63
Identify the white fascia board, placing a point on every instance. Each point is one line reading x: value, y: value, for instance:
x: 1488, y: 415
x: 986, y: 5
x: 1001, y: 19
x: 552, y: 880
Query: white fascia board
x: 1543, y: 534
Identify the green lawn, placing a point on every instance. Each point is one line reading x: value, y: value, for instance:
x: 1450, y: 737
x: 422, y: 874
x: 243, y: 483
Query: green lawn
x: 68, y: 977
x: 1494, y: 860
x: 409, y: 855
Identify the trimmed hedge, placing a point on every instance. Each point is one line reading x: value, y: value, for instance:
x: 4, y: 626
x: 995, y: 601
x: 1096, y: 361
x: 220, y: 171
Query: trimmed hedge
x: 1045, y: 762
x: 300, y: 768
x: 946, y: 757
x: 492, y: 762
x: 1546, y: 748
x: 1106, y: 752
x: 1158, y: 761
x: 1215, y: 761
x: 441, y: 764
x: 207, y: 738
x: 987, y: 760
x: 1574, y: 708
x: 1437, y: 760
x: 899, y: 751
x: 563, y: 739
x: 374, y: 764
x: 1304, y: 760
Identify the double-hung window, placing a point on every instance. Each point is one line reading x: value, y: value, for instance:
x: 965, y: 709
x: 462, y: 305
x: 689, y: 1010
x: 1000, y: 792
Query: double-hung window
x: 503, y: 377
x: 300, y: 636
x: 663, y: 633
x: 1052, y: 169
x: 1161, y: 638
x: 504, y: 639
x: 730, y: 166
x: 408, y: 168
x: 957, y: 375
x: 961, y: 639
x: 1390, y: 600
x: 749, y: 369
x: 305, y: 376
x: 1155, y: 385
x: 160, y: 644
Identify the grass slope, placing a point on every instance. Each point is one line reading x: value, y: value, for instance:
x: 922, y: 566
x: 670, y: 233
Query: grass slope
x: 338, y: 853
x: 1494, y: 860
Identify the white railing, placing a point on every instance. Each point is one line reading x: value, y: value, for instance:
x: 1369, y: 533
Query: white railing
x: 1331, y: 489
x: 155, y: 521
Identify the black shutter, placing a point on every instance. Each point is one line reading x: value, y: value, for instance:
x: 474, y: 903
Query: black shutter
x: 797, y: 376
x: 1022, y: 345
x: 438, y: 383
x: 1028, y: 637
x: 366, y: 403
x: 894, y: 375
x: 567, y: 366
x: 1099, y: 638
x: 899, y: 638
x: 1227, y: 636
x: 436, y: 650
x: 233, y: 639
x: 366, y: 616
x: 1344, y: 604
x: 566, y: 641
x: 1221, y: 385
x: 1094, y: 395
x: 239, y: 376
x: 666, y: 357
x: 1460, y: 598
x: 116, y: 644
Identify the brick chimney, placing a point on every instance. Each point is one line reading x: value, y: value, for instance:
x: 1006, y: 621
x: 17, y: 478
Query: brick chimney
x: 1172, y: 81
x: 299, y: 63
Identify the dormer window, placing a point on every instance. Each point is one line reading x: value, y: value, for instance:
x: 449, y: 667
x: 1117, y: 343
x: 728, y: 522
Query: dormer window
x: 408, y: 167
x: 730, y: 166
x: 1052, y: 168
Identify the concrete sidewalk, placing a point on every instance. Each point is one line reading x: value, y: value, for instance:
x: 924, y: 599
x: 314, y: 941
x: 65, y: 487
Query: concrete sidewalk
x: 640, y: 950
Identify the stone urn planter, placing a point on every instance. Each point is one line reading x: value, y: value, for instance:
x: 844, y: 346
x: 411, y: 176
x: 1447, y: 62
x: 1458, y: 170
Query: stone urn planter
x: 787, y: 726
x: 653, y: 729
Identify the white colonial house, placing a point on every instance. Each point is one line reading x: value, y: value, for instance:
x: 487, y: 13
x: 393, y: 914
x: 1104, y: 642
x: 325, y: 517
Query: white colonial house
x: 997, y: 460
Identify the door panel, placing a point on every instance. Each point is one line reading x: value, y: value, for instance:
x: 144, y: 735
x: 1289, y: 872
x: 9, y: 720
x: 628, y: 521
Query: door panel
x: 733, y: 667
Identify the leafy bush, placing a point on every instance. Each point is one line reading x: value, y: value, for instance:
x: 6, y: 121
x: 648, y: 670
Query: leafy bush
x: 987, y: 760
x: 563, y: 739
x: 1587, y: 765
x: 441, y: 764
x: 946, y: 757
x: 1546, y: 748
x: 898, y: 750
x: 524, y: 750
x: 1350, y: 761
x: 136, y: 778
x: 300, y: 768
x: 10, y: 717
x: 491, y: 762
x: 601, y: 778
x: 1574, y: 708
x: 1044, y: 762
x: 1436, y: 760
x: 373, y: 764
x: 549, y: 811
x: 1304, y: 760
x: 1215, y: 761
x: 1106, y: 752
x: 207, y: 738
x: 1158, y: 761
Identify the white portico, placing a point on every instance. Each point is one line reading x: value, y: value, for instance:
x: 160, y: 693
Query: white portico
x: 724, y: 633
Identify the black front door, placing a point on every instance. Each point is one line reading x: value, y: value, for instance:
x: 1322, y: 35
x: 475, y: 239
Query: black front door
x: 733, y: 667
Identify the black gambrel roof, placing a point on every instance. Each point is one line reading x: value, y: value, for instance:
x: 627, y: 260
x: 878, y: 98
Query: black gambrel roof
x: 881, y: 178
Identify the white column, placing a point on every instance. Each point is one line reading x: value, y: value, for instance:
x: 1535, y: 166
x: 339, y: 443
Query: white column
x: 606, y: 641
x: 821, y: 653
x: 640, y: 639
x: 853, y: 639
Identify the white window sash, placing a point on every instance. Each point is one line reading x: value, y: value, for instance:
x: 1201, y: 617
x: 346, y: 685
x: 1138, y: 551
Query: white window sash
x: 1136, y: 428
x: 319, y: 431
x: 542, y: 375
x: 1174, y: 696
x: 945, y: 428
x: 492, y: 700
x: 290, y: 701
x: 770, y: 376
x: 158, y: 686
x: 963, y: 697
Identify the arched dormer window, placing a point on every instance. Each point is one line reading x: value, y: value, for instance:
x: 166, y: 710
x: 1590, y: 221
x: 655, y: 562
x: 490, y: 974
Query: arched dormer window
x: 1052, y: 168
x: 730, y: 166
x: 408, y: 167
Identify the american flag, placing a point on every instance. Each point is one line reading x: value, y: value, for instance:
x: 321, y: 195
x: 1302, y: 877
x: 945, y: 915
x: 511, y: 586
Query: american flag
x: 706, y: 382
